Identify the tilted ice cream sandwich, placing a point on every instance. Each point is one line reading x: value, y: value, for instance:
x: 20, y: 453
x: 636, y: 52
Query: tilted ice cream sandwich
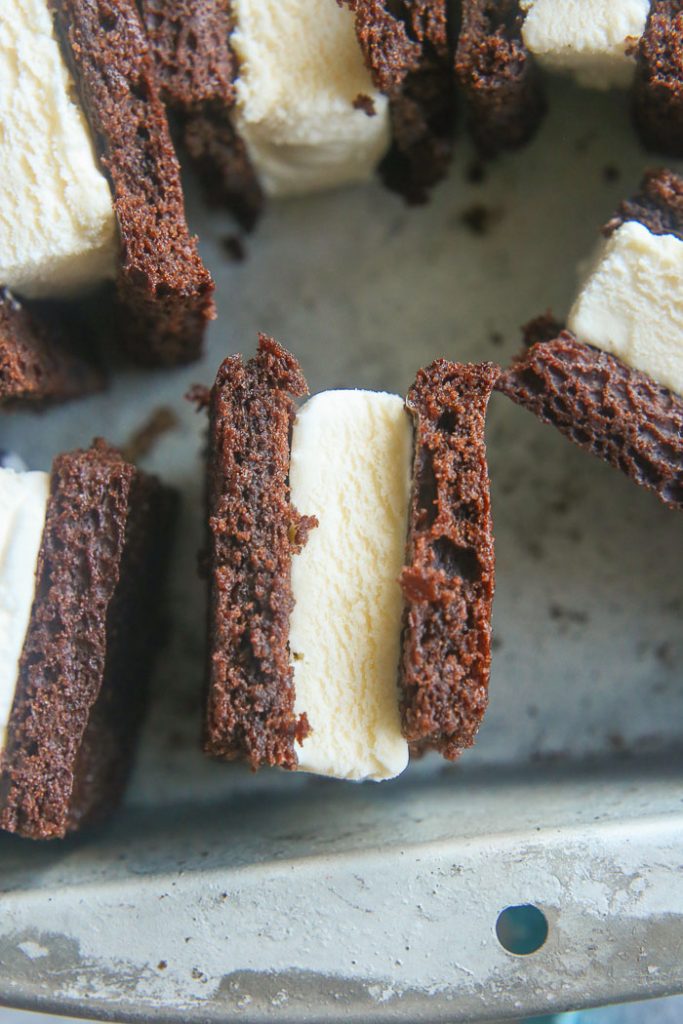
x: 285, y: 97
x: 351, y: 568
x: 89, y: 183
x: 83, y: 555
x: 603, y: 43
x: 613, y: 380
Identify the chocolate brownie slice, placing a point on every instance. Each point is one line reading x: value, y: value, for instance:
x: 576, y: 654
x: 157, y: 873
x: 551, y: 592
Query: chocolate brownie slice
x: 658, y: 87
x: 448, y: 580
x: 253, y: 533
x: 37, y: 362
x: 406, y: 49
x: 196, y: 68
x: 164, y: 291
x: 498, y: 76
x: 619, y: 414
x: 87, y: 653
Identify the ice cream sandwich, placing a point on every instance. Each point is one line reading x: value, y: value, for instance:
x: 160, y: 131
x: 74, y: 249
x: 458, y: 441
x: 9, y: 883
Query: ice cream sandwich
x: 89, y: 182
x: 286, y: 97
x: 634, y: 44
x: 84, y: 552
x: 612, y: 380
x: 351, y: 568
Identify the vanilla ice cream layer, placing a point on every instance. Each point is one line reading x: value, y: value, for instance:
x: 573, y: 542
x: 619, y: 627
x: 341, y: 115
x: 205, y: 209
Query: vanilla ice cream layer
x: 631, y: 303
x: 589, y: 38
x: 301, y: 68
x: 23, y: 504
x: 58, y: 232
x: 350, y: 466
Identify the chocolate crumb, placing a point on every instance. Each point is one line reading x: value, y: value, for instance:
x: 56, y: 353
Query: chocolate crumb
x: 475, y: 172
x: 562, y: 614
x: 162, y: 965
x: 365, y: 103
x: 235, y: 248
x: 199, y: 395
x: 665, y: 655
x: 479, y: 219
x: 142, y: 441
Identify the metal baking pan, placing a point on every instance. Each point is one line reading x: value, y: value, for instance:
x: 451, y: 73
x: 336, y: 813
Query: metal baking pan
x: 217, y: 894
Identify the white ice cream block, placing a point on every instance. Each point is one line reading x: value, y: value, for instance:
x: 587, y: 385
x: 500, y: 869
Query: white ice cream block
x: 631, y: 303
x: 58, y: 233
x: 23, y: 504
x: 351, y: 467
x: 300, y: 70
x: 588, y: 38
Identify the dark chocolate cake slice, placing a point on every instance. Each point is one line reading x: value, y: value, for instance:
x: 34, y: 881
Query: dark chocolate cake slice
x: 164, y: 291
x: 610, y: 410
x: 448, y: 581
x: 658, y: 88
x: 38, y: 365
x: 253, y: 532
x: 406, y: 49
x: 497, y: 75
x: 87, y: 654
x: 196, y: 68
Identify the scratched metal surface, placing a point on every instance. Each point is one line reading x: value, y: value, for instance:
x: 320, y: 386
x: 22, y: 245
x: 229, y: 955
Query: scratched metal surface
x: 216, y: 893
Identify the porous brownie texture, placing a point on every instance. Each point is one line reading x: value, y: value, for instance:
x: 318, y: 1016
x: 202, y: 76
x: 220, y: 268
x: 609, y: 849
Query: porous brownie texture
x: 196, y: 68
x: 658, y: 86
x: 610, y: 410
x: 658, y: 205
x: 38, y: 365
x: 406, y: 49
x: 253, y: 532
x: 498, y: 76
x: 448, y: 580
x: 164, y: 291
x: 92, y: 633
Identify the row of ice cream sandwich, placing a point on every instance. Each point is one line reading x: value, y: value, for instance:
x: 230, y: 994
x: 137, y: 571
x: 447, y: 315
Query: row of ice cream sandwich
x: 266, y: 98
x: 350, y: 550
x: 351, y: 578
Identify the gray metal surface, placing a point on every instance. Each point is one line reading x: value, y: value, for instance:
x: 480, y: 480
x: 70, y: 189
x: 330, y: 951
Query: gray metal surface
x: 216, y: 894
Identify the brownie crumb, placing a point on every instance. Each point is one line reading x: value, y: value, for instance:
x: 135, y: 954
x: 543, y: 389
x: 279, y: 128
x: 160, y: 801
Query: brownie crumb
x: 142, y: 441
x: 235, y: 248
x: 199, y: 395
x: 475, y: 172
x: 479, y: 219
x: 366, y: 103
x: 162, y: 965
x: 559, y: 613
